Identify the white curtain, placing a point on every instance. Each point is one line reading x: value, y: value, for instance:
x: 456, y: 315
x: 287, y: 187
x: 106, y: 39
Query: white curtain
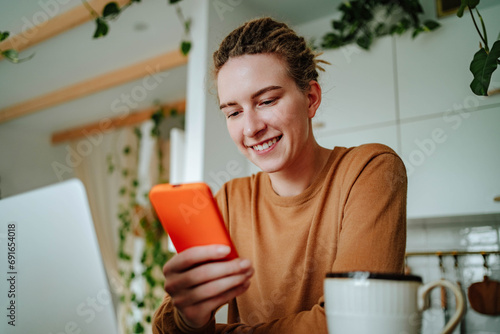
x: 103, y: 189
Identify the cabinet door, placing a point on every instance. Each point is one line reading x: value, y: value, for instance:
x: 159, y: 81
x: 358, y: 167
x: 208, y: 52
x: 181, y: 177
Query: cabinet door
x: 358, y: 87
x: 453, y: 164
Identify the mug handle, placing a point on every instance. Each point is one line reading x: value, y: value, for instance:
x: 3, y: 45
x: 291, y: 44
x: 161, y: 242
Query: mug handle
x: 424, y: 303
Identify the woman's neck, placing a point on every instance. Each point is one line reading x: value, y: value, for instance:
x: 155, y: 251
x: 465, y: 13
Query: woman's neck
x: 295, y: 179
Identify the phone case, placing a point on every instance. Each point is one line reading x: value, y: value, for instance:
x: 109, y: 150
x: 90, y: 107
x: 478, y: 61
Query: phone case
x: 190, y: 216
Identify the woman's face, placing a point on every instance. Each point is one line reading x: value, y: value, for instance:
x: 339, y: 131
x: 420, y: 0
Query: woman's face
x: 267, y: 115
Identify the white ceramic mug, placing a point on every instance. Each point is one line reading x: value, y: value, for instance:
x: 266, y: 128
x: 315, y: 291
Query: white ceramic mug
x: 364, y: 302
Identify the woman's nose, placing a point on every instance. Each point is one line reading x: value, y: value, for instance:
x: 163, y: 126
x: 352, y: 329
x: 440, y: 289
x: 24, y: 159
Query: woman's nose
x: 253, y: 124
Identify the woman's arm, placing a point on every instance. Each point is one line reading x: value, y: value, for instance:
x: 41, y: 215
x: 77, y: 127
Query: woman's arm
x: 197, y: 283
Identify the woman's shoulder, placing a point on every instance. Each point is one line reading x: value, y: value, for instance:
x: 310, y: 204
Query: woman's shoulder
x: 363, y: 154
x: 354, y: 160
x: 372, y: 149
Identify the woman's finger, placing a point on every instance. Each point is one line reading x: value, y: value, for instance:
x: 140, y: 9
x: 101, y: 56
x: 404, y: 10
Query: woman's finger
x: 176, y: 283
x: 191, y: 313
x: 194, y: 256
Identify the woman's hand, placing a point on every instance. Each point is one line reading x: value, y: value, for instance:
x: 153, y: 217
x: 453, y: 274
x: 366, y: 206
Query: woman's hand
x: 198, y: 282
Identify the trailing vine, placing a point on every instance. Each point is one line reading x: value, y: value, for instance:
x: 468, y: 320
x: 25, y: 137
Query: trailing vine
x: 363, y: 21
x: 11, y: 54
x: 112, y: 10
x: 139, y: 221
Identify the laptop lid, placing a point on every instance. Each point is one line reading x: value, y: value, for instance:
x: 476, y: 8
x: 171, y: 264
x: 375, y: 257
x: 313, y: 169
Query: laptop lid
x: 52, y: 276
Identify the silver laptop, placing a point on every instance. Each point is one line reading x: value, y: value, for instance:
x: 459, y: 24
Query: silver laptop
x: 52, y: 278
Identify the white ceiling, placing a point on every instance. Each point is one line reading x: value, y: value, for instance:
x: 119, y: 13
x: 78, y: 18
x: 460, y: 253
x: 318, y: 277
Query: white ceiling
x: 143, y: 31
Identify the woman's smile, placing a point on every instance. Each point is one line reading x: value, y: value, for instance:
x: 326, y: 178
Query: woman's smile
x: 265, y: 145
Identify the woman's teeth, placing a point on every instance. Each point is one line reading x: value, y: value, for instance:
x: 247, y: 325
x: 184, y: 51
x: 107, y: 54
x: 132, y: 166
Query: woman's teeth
x: 265, y: 145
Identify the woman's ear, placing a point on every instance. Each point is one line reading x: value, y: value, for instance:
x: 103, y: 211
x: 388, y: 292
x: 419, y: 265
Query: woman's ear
x: 314, y: 97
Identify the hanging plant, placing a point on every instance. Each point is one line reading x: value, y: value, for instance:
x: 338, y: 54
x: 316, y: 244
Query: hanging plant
x: 142, y: 222
x: 485, y: 60
x: 112, y: 10
x: 363, y: 21
x: 11, y: 54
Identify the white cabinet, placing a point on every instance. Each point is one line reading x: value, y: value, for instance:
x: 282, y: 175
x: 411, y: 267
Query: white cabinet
x: 358, y: 88
x: 453, y: 164
x: 433, y: 69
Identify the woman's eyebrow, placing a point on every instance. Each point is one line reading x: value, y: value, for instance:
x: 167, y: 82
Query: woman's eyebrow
x: 264, y: 90
x: 254, y: 95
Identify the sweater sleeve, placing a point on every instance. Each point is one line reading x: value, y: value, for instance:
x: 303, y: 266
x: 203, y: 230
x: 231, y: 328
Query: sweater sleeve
x: 372, y: 234
x: 167, y: 320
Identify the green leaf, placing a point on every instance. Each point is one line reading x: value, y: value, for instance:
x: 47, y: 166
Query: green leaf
x: 138, y: 133
x: 380, y: 29
x: 173, y: 1
x: 124, y: 256
x: 111, y: 10
x: 473, y: 3
x: 4, y: 35
x: 331, y: 41
x: 466, y: 3
x: 431, y: 25
x: 365, y: 41
x: 13, y: 56
x: 101, y: 29
x: 482, y: 67
x: 187, y: 25
x: 126, y: 150
x: 338, y: 25
x: 185, y: 47
x: 138, y: 328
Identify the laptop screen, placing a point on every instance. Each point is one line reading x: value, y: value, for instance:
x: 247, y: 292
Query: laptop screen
x: 52, y: 276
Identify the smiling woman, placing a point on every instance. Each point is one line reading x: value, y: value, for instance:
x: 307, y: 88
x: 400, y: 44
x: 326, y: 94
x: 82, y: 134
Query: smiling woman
x: 311, y: 210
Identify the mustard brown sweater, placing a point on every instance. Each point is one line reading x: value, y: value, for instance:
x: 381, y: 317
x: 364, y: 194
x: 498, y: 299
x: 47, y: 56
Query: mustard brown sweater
x: 352, y: 217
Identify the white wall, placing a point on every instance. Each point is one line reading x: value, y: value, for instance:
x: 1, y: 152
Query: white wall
x: 212, y: 156
x: 26, y: 158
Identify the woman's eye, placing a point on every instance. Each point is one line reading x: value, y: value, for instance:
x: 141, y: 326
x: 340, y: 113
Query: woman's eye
x: 236, y: 113
x: 268, y: 102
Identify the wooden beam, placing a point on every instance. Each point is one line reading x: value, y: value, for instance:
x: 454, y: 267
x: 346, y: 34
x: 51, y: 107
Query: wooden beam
x: 108, y: 124
x: 54, y: 25
x: 93, y: 85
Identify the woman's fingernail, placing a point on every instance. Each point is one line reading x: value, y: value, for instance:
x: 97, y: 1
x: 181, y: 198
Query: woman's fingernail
x: 223, y: 250
x: 245, y: 264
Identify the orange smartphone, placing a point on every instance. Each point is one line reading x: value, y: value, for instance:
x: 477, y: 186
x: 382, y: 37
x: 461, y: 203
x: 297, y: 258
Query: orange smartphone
x: 190, y: 216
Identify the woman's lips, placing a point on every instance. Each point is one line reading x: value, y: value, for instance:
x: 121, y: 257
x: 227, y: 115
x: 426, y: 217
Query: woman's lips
x: 266, y: 145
